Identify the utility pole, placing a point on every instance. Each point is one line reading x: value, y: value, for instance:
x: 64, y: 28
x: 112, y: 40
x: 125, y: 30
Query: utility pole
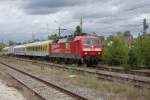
x: 47, y: 27
x: 60, y: 29
x: 81, y: 23
x: 145, y: 26
x: 33, y: 37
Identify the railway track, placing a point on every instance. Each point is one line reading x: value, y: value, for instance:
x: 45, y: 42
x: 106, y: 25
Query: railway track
x: 99, y: 67
x: 135, y: 80
x: 42, y: 88
x: 121, y: 70
x: 103, y: 68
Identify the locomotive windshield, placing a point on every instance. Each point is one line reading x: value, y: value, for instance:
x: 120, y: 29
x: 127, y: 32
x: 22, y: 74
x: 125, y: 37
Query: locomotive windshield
x: 91, y: 41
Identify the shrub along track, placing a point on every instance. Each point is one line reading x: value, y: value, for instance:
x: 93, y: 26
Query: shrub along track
x: 135, y: 80
x: 42, y: 88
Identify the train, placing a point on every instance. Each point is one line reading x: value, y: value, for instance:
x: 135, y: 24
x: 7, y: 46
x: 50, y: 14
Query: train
x: 78, y: 49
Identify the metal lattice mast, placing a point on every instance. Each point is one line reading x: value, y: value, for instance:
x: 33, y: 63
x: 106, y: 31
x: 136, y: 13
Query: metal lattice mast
x: 145, y: 26
x: 81, y: 23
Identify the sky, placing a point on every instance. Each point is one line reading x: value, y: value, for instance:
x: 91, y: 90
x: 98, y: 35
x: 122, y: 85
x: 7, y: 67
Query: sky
x: 22, y: 19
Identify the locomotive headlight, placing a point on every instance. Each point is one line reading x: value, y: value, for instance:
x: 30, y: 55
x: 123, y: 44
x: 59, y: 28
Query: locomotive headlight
x: 100, y: 49
x: 85, y: 53
x: 99, y: 53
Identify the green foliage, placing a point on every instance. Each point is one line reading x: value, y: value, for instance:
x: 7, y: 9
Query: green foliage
x: 127, y: 33
x: 146, y: 50
x: 54, y: 37
x: 2, y: 46
x: 78, y: 29
x: 106, y: 55
x: 141, y: 50
x: 11, y: 43
x: 133, y: 60
x: 117, y: 52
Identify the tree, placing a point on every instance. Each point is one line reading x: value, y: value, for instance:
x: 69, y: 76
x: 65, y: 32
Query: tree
x: 109, y: 38
x: 127, y: 34
x: 78, y: 30
x: 11, y: 43
x: 2, y: 45
x: 119, y: 33
x: 54, y: 37
x: 127, y: 37
x: 142, y: 50
x: 117, y: 52
x: 132, y: 60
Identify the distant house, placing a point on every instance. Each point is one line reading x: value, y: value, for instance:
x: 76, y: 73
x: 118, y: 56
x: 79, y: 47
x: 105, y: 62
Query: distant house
x: 129, y: 40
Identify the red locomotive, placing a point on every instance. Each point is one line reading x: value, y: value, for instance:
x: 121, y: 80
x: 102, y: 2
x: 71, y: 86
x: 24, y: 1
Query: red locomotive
x: 81, y: 49
x: 77, y: 49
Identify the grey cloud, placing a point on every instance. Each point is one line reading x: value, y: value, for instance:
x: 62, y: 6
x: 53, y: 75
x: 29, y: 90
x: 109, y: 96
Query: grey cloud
x: 50, y: 6
x: 40, y: 10
x: 99, y: 16
x: 123, y: 18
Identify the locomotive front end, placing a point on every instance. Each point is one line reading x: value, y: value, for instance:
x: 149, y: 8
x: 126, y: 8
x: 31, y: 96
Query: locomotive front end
x: 91, y: 49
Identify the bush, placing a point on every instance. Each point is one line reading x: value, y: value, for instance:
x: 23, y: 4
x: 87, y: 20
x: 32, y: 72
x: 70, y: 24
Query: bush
x: 2, y: 46
x: 117, y: 52
x: 106, y: 55
x: 141, y: 49
x: 146, y: 50
x: 132, y: 61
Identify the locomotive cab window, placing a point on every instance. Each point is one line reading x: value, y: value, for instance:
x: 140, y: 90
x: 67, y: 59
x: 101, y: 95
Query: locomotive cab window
x: 91, y: 42
x: 87, y: 41
x: 95, y: 42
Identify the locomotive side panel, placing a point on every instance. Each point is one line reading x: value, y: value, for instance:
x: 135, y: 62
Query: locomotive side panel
x: 66, y: 49
x: 61, y: 50
x: 76, y: 49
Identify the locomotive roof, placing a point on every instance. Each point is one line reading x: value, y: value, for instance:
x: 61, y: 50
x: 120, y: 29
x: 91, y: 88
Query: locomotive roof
x: 68, y: 39
x: 86, y: 36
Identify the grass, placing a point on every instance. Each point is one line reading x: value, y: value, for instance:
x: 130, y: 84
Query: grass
x: 102, y: 87
x: 109, y: 87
